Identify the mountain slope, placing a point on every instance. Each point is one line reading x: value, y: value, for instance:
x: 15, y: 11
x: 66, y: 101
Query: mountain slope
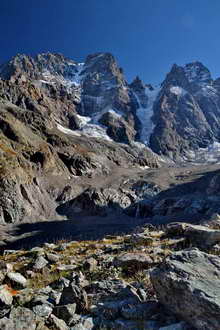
x: 175, y: 119
x: 186, y: 112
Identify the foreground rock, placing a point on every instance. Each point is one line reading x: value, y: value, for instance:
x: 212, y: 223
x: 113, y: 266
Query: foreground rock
x: 200, y: 236
x: 138, y: 260
x: 187, y: 283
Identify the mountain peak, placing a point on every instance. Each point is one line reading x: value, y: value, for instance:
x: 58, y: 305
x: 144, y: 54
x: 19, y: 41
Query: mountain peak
x: 137, y: 84
x: 196, y: 72
x: 176, y: 77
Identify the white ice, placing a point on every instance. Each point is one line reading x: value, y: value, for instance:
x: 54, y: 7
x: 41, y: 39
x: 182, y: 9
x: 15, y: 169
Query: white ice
x: 178, y: 90
x: 67, y: 130
x: 145, y: 114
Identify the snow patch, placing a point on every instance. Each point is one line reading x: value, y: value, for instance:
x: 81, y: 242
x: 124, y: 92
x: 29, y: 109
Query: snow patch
x: 83, y: 120
x: 115, y: 113
x: 178, y: 90
x: 145, y: 114
x: 93, y: 130
x: 71, y: 80
x: 67, y: 130
x: 97, y: 131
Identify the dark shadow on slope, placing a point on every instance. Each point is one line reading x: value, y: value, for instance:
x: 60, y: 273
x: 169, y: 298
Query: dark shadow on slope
x: 110, y: 221
x: 196, y: 186
x: 85, y: 228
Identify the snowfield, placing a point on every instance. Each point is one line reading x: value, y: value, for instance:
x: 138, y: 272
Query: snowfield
x: 145, y: 114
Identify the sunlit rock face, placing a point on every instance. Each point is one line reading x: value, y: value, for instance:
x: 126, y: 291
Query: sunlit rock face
x: 178, y: 119
x: 186, y: 112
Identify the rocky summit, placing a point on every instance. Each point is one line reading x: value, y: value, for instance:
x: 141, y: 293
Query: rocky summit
x: 109, y: 196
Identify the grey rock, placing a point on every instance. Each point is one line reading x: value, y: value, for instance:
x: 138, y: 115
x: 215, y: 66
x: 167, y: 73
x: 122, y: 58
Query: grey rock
x: 139, y: 260
x: 53, y: 257
x: 40, y: 263
x: 90, y: 264
x: 108, y: 287
x: 66, y: 267
x: 6, y: 324
x: 57, y: 324
x: 37, y: 251
x: 43, y: 310
x: 201, y: 236
x: 17, y: 280
x: 75, y: 295
x: 6, y: 296
x: 65, y: 312
x: 142, y: 311
x: 121, y: 324
x: 129, y: 292
x: 142, y: 239
x: 187, y: 284
x: 41, y: 299
x: 23, y: 319
x: 55, y: 297
x: 79, y: 279
x: 6, y: 299
x: 176, y: 326
x: 8, y: 252
x: 85, y: 323
x: 108, y: 310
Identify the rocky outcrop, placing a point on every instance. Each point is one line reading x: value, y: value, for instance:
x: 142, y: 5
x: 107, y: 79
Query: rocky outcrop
x: 186, y: 112
x: 187, y: 284
x: 200, y: 236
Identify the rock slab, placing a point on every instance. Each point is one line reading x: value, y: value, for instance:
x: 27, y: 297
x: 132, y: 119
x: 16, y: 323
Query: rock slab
x: 187, y: 283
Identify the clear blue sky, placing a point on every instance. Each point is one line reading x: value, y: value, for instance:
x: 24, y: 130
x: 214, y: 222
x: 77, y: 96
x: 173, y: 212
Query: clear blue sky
x: 146, y: 36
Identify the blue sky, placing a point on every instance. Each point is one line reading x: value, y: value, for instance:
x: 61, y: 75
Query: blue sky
x: 146, y: 36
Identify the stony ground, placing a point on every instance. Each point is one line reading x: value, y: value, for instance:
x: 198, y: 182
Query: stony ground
x: 116, y: 282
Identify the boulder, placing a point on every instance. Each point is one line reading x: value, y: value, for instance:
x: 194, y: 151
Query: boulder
x: 57, y: 324
x: 6, y: 324
x: 6, y: 299
x: 65, y: 312
x: 201, y: 236
x: 138, y: 260
x: 52, y: 257
x: 43, y: 310
x: 23, y: 319
x: 90, y: 264
x: 75, y: 295
x: 17, y: 280
x: 187, y: 284
x: 84, y: 323
x: 142, y: 311
x: 40, y: 263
